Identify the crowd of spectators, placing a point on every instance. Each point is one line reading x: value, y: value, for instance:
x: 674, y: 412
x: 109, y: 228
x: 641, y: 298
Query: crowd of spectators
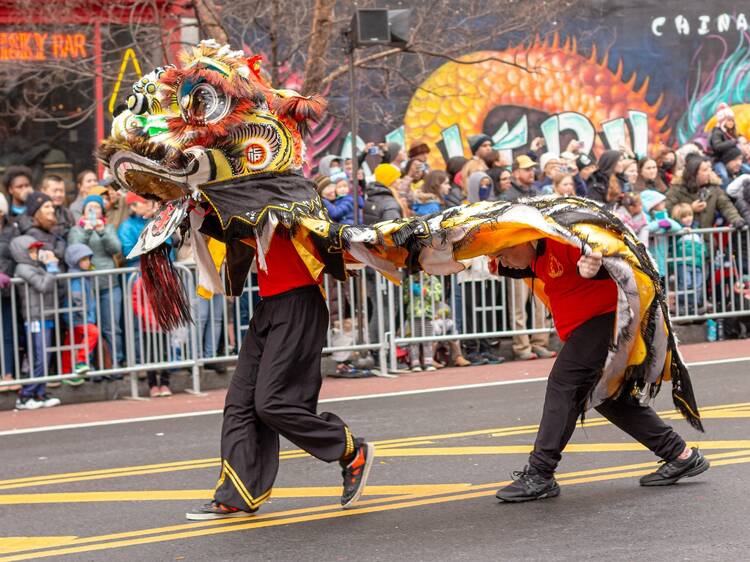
x: 671, y: 191
x: 667, y: 192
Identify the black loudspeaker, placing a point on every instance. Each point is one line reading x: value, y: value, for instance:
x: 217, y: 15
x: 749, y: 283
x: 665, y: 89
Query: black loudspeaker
x: 380, y: 27
x: 371, y: 27
x: 400, y: 22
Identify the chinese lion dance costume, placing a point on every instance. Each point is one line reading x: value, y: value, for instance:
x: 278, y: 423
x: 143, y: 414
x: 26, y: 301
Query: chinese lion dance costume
x: 223, y: 151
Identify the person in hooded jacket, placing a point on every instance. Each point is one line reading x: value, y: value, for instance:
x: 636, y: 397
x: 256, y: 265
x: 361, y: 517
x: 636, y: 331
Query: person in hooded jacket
x: 329, y: 165
x: 604, y: 185
x: 36, y: 267
x: 456, y: 196
x: 723, y: 138
x: 82, y: 333
x: 382, y: 201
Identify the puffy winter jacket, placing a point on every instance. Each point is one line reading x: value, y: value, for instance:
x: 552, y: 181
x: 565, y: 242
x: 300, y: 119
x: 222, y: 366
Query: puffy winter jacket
x: 717, y: 202
x: 719, y: 142
x: 380, y: 204
x: 105, y: 244
x: 41, y: 284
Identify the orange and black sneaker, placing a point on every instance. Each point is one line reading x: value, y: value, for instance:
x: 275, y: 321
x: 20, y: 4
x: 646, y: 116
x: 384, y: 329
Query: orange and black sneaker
x: 355, y: 472
x: 216, y: 510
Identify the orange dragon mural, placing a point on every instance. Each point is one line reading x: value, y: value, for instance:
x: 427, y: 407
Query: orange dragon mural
x: 561, y: 82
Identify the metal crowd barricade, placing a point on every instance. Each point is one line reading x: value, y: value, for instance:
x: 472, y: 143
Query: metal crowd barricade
x: 705, y: 274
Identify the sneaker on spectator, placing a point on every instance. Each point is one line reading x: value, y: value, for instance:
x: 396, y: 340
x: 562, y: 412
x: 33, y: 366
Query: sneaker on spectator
x: 543, y: 352
x: 525, y: 356
x: 164, y: 390
x: 476, y: 359
x: 493, y: 359
x: 218, y: 368
x: 154, y: 392
x: 77, y: 381
x: 28, y: 403
x: 430, y: 368
x: 416, y: 369
x: 47, y: 401
x: 81, y: 369
x: 461, y: 362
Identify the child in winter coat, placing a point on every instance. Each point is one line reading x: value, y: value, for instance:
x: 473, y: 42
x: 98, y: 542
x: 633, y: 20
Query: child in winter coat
x: 83, y: 333
x: 431, y: 196
x: 690, y: 255
x: 631, y: 213
x: 37, y: 267
x: 421, y: 295
x: 659, y: 224
x: 341, y: 208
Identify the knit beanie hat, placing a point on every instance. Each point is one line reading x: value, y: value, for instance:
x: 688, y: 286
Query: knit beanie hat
x: 650, y: 199
x: 387, y: 174
x: 730, y: 154
x: 724, y: 112
x: 475, y: 141
x: 321, y: 182
x: 35, y: 201
x: 338, y: 176
x: 94, y: 199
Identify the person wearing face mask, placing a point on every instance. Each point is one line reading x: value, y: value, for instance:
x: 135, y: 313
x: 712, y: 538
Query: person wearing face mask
x: 665, y: 161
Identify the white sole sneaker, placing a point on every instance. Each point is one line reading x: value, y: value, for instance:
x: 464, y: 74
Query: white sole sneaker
x: 365, y: 474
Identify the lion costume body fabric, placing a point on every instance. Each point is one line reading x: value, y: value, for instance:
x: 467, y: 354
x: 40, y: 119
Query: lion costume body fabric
x: 224, y: 151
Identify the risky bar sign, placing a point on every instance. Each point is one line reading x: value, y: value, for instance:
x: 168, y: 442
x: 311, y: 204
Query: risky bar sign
x: 32, y: 45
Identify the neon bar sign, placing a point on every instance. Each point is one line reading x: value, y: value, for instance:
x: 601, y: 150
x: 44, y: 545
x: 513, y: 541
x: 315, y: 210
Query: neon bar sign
x: 31, y: 45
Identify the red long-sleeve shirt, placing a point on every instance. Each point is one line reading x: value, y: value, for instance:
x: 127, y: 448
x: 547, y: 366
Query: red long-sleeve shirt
x: 573, y: 299
x: 285, y: 270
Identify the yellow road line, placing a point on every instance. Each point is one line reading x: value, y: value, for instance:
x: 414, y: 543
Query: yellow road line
x: 63, y: 478
x: 520, y: 449
x: 255, y: 522
x: 179, y: 495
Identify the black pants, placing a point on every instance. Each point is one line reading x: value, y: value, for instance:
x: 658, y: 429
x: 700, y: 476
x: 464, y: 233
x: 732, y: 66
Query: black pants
x: 274, y: 391
x: 574, y: 373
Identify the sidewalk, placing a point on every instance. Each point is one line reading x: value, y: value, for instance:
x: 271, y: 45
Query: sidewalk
x: 213, y: 401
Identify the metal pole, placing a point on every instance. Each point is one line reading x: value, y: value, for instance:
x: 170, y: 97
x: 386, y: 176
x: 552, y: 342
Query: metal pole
x: 357, y: 294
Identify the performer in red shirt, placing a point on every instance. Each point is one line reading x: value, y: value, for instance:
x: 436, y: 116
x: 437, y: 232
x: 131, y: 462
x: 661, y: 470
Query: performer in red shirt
x: 583, y: 301
x: 274, y: 391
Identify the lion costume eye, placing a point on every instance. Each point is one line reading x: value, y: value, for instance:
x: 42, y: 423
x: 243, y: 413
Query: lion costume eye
x: 203, y: 103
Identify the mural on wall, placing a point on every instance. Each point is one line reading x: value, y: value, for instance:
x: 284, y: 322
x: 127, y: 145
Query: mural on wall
x: 632, y: 74
x: 567, y: 90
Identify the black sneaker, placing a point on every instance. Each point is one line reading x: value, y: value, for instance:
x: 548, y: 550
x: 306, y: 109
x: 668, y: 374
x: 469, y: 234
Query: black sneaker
x: 355, y: 473
x: 216, y: 510
x: 672, y: 471
x: 529, y: 485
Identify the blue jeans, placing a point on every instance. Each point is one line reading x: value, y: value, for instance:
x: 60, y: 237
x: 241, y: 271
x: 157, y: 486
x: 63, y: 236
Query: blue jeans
x: 689, y: 287
x: 9, y: 319
x: 210, y: 314
x: 721, y: 171
x: 111, y: 321
x: 41, y: 340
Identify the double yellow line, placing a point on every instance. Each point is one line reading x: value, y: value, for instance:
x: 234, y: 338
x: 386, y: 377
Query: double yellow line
x: 385, y: 447
x: 303, y: 515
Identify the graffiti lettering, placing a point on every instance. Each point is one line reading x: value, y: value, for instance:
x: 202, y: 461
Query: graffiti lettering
x: 723, y: 23
x: 614, y: 133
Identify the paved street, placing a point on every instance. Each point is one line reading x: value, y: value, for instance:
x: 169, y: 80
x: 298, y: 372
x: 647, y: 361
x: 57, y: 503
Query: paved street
x: 119, y: 492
